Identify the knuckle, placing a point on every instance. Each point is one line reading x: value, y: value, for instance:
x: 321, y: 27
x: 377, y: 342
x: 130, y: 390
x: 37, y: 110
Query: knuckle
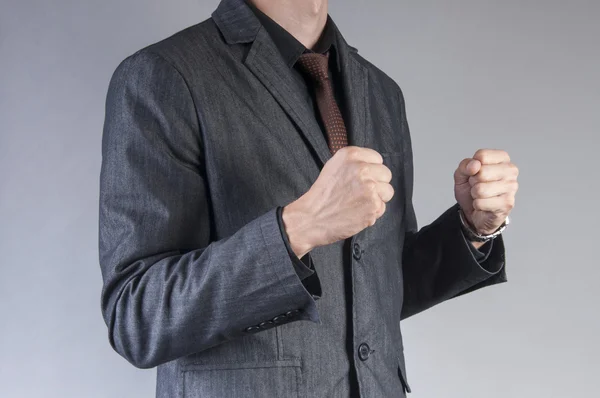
x: 366, y: 222
x: 369, y: 186
x: 371, y: 219
x: 355, y: 151
x: 484, y: 173
x: 374, y: 201
x: 363, y: 172
x: 477, y: 190
x: 474, y: 193
x: 350, y: 152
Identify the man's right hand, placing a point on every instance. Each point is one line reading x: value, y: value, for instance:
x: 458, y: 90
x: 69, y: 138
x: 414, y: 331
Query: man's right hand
x: 349, y: 195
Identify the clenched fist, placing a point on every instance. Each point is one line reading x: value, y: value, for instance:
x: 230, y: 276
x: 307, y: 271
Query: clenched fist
x: 485, y: 187
x: 349, y: 195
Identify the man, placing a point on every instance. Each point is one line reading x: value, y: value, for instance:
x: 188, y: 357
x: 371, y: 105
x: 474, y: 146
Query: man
x: 257, y: 232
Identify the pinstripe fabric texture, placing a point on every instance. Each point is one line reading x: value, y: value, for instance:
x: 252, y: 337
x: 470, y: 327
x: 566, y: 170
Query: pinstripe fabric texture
x: 205, y: 135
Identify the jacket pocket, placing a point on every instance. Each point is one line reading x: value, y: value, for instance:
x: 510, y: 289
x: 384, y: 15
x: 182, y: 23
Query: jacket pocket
x: 402, y: 372
x: 244, y: 379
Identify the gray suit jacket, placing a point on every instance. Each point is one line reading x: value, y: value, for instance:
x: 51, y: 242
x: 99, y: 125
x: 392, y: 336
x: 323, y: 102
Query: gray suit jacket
x: 204, y: 137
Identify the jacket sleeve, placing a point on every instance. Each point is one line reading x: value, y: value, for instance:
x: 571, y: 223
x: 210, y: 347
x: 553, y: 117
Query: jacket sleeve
x: 438, y: 262
x: 168, y: 289
x: 483, y: 252
x: 304, y: 266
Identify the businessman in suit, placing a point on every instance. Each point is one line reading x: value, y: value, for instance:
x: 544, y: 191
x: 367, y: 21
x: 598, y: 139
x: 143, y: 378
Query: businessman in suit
x: 257, y: 232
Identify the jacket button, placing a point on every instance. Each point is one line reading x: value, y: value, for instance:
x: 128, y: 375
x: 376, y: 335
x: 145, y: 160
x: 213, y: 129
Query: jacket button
x: 265, y: 324
x: 356, y: 252
x: 292, y: 313
x: 364, y: 351
x: 280, y: 319
x: 251, y: 329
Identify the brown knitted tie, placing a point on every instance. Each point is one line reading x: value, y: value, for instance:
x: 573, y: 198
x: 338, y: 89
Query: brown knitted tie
x: 315, y: 66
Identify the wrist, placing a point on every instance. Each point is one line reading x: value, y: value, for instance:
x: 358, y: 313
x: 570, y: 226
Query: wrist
x: 473, y: 234
x: 298, y: 224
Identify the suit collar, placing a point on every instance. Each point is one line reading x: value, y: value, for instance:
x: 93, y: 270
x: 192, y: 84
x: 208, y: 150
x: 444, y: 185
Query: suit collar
x: 238, y: 24
x: 236, y: 21
x: 290, y: 48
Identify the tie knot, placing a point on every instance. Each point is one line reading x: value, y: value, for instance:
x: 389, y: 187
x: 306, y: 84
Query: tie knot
x: 315, y: 65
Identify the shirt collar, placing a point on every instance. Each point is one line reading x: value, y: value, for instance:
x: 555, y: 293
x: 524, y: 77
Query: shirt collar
x: 289, y: 47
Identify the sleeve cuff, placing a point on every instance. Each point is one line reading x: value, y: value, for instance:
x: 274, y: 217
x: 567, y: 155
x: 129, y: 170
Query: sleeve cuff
x: 304, y: 266
x: 489, y: 257
x: 483, y: 252
x: 295, y: 287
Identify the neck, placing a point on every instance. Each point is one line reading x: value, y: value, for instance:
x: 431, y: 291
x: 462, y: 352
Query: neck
x: 303, y: 19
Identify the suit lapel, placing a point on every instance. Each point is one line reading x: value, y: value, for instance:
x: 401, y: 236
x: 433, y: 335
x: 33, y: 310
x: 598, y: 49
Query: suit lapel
x: 238, y: 24
x: 354, y: 78
x: 266, y: 63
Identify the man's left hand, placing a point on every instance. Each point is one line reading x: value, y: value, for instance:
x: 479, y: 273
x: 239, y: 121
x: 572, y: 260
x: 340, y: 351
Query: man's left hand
x: 485, y: 187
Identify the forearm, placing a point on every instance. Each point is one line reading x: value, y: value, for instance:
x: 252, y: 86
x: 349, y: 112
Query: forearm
x: 151, y: 305
x: 299, y: 226
x: 438, y: 264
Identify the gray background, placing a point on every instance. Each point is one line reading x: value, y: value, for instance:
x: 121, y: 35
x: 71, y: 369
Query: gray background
x: 516, y: 75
